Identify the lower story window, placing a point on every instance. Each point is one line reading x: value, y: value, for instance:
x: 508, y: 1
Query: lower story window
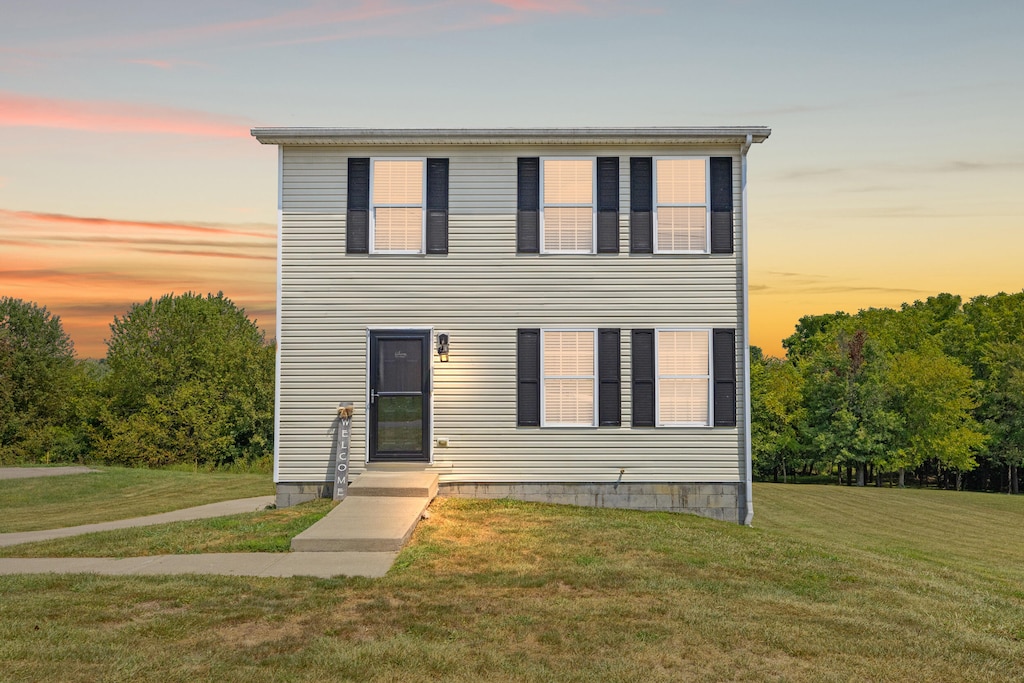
x: 683, y: 377
x: 568, y: 377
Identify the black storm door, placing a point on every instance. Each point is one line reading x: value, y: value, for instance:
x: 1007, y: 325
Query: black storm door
x: 399, y: 395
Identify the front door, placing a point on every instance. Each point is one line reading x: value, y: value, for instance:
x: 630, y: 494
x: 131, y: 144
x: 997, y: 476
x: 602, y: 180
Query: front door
x: 399, y: 411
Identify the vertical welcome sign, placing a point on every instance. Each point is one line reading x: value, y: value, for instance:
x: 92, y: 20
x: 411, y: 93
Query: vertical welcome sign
x: 344, y: 440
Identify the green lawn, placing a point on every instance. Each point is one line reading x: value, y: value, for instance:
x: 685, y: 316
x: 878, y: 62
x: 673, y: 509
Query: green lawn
x: 832, y: 584
x: 116, y: 493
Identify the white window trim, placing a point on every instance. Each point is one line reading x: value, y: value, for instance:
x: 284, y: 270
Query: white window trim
x: 710, y: 378
x: 543, y: 412
x: 706, y: 205
x: 422, y: 206
x: 593, y: 205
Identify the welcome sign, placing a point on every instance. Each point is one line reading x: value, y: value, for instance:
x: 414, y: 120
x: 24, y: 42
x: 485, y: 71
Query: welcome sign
x: 344, y: 435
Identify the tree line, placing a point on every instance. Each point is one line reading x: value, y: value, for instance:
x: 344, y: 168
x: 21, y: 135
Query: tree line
x: 187, y: 379
x: 931, y: 394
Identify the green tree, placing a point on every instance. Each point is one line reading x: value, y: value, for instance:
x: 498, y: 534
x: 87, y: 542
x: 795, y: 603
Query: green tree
x: 1002, y: 407
x: 775, y: 414
x: 934, y: 396
x: 849, y: 420
x: 191, y: 379
x: 36, y: 368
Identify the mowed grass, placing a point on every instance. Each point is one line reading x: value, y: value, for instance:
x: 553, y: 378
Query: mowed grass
x: 116, y: 493
x: 832, y: 584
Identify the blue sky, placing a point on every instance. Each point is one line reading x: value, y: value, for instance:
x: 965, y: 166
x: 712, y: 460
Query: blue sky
x: 894, y: 170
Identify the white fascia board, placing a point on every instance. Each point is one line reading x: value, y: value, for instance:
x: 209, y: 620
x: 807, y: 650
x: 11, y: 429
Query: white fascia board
x: 499, y: 136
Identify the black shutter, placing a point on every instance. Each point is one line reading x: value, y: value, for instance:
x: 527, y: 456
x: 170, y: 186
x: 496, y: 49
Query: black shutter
x: 528, y: 378
x: 609, y: 372
x: 357, y: 220
x: 641, y: 205
x: 724, y: 368
x: 721, y: 205
x: 437, y: 206
x: 643, y: 378
x: 528, y: 206
x: 608, y: 205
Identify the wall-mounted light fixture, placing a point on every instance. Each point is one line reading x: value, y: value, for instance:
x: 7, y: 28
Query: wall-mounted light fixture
x: 442, y: 347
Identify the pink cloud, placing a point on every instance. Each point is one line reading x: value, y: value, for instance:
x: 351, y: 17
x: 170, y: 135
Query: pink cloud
x: 163, y: 64
x: 44, y: 112
x: 546, y: 6
x: 92, y: 223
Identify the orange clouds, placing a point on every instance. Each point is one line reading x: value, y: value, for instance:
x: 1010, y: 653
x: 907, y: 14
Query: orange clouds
x: 89, y: 269
x: 114, y: 117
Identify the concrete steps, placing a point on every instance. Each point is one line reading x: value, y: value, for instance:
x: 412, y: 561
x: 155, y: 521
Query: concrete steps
x: 378, y: 515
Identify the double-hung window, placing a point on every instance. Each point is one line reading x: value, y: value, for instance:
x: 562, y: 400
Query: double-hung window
x: 568, y: 378
x: 682, y: 201
x: 397, y: 216
x: 567, y: 205
x: 683, y: 377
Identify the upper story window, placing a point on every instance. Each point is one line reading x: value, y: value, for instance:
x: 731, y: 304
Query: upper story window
x: 567, y: 207
x: 397, y: 216
x: 681, y: 201
x: 683, y: 377
x: 681, y: 205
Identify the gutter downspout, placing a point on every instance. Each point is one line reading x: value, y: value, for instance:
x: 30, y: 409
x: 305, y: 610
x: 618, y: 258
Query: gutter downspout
x: 749, y: 460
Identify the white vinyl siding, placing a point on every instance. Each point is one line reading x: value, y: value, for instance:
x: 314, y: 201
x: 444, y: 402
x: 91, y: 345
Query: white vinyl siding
x: 397, y: 223
x: 568, y: 362
x: 683, y: 392
x: 480, y: 292
x: 567, y: 205
x: 682, y: 205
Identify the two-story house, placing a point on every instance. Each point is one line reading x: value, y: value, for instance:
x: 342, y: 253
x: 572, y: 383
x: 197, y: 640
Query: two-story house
x: 544, y: 314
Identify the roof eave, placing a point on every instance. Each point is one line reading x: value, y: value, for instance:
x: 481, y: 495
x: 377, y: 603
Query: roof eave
x: 499, y: 136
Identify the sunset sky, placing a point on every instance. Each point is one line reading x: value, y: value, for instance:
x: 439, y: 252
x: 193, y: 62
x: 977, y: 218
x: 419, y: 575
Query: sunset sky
x: 895, y: 169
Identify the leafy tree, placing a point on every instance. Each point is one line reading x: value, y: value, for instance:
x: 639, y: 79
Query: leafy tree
x: 776, y: 412
x: 36, y: 367
x: 190, y: 380
x: 849, y: 420
x: 810, y: 334
x: 934, y: 396
x: 1002, y: 407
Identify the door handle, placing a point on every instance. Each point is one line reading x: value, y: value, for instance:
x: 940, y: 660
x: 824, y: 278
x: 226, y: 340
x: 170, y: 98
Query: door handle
x: 373, y: 396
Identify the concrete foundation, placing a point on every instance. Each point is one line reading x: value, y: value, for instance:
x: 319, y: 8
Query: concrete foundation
x: 721, y: 501
x: 289, y: 494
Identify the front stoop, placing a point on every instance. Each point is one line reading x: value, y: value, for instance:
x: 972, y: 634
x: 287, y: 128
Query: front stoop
x: 378, y: 515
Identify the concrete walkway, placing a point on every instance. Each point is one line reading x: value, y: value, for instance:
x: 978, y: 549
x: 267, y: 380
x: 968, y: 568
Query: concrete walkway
x: 29, y: 472
x: 222, y: 509
x: 360, y: 537
x: 323, y: 565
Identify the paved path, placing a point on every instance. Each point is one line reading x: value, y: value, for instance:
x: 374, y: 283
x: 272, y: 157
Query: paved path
x: 222, y: 509
x: 323, y: 565
x: 319, y: 564
x: 371, y: 559
x: 27, y: 472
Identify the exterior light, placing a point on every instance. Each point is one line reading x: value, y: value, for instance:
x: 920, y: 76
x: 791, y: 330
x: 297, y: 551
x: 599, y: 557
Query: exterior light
x: 442, y: 347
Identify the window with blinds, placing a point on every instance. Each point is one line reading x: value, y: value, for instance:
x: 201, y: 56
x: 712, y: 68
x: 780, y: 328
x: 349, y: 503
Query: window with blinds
x: 683, y: 377
x: 567, y: 206
x: 397, y: 215
x: 568, y: 377
x: 681, y: 205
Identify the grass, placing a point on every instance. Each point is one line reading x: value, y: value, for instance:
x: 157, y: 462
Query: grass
x: 116, y: 493
x: 832, y: 584
x: 267, y: 531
